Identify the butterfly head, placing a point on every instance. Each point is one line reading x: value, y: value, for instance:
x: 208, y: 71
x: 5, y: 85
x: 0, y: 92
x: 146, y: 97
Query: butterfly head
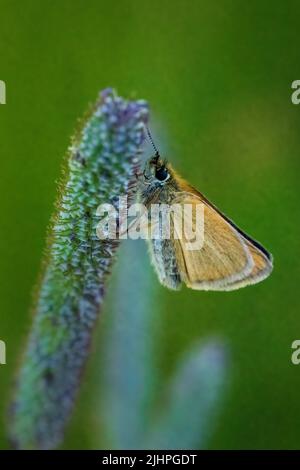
x: 156, y: 171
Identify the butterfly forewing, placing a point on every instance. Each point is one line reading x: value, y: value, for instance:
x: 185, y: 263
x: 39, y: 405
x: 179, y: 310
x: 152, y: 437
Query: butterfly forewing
x: 223, y: 257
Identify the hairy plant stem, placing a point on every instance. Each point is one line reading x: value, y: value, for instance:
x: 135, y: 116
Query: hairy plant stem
x: 101, y: 165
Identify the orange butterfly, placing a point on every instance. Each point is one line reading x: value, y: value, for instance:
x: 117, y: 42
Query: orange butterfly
x: 227, y: 259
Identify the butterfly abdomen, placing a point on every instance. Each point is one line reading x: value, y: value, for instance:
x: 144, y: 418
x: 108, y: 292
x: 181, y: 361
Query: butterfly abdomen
x: 165, y: 264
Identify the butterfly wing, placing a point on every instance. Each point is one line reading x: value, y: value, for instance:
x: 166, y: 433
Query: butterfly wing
x: 228, y: 258
x: 261, y: 270
x: 164, y: 260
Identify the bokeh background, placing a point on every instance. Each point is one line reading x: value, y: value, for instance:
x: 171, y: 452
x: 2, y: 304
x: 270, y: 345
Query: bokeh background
x: 218, y: 77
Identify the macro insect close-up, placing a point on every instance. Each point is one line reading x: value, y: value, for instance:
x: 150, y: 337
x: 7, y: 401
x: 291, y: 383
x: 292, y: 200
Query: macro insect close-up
x: 227, y: 259
x: 149, y: 304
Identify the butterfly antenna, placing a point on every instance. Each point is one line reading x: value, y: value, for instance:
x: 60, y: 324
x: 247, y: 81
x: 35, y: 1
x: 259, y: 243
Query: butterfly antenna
x: 157, y: 155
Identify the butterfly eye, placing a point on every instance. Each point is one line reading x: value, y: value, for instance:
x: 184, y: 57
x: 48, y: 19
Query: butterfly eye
x: 162, y: 174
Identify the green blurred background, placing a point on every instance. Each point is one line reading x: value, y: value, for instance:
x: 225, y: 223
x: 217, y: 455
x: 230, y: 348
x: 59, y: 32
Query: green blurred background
x: 218, y: 77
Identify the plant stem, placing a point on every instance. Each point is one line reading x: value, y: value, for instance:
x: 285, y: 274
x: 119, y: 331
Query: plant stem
x: 101, y: 165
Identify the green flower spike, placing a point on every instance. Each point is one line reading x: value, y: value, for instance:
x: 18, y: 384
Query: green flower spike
x: 101, y: 166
